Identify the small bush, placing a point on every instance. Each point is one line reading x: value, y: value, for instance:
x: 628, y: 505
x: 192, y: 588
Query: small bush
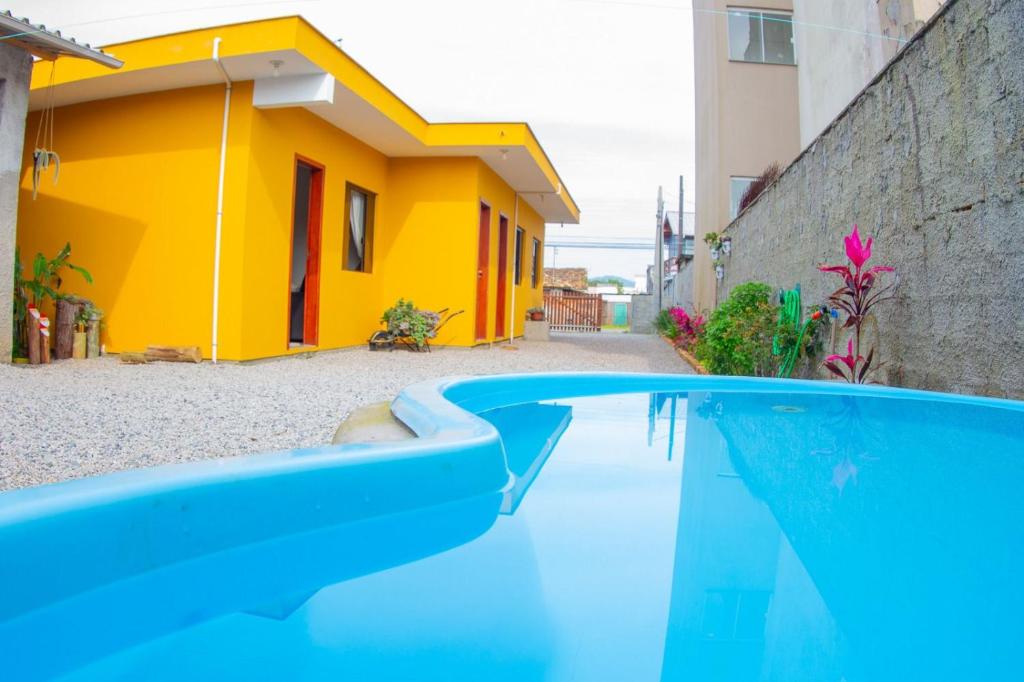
x: 737, y: 339
x: 738, y: 335
x: 676, y: 324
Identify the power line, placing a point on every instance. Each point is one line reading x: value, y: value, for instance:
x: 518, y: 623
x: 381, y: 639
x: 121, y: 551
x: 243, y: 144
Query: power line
x: 790, y: 20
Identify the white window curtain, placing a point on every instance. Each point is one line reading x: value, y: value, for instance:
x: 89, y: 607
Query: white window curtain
x: 357, y: 225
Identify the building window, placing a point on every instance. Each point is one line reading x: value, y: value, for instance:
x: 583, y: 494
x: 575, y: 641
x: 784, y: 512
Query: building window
x: 535, y: 264
x: 737, y: 187
x: 358, y: 240
x: 518, y: 268
x: 761, y: 37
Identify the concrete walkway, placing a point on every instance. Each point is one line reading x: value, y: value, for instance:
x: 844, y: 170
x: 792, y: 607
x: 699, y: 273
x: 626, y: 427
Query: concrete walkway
x: 79, y: 418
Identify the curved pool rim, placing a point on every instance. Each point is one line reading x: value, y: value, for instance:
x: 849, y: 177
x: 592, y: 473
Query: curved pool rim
x: 183, y: 511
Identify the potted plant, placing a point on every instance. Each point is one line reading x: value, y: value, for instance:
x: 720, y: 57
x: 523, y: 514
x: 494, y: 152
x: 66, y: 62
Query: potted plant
x: 714, y: 244
x: 78, y: 343
x: 535, y: 314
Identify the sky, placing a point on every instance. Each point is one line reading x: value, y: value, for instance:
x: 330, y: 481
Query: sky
x: 607, y: 85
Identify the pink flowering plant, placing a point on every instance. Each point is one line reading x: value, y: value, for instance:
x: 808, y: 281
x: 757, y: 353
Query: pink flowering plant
x: 676, y: 324
x: 859, y: 293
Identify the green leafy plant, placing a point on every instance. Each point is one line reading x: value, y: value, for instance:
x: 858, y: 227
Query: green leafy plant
x: 45, y: 283
x: 404, y: 319
x: 46, y: 275
x: 737, y: 339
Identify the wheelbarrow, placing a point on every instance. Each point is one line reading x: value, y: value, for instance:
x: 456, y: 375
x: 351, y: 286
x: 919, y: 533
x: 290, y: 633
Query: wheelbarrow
x: 389, y: 340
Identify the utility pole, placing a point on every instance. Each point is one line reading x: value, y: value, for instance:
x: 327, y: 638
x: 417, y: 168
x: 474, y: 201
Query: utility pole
x: 659, y: 253
x: 681, y: 230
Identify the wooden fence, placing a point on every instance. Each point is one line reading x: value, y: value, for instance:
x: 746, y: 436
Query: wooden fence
x: 573, y: 311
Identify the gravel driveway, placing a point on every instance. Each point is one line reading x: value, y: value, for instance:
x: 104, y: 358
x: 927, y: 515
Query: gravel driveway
x: 74, y: 419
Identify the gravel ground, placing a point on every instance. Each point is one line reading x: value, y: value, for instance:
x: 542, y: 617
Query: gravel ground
x: 73, y: 419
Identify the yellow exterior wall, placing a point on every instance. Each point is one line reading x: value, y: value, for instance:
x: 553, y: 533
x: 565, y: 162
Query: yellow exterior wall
x: 427, y: 250
x: 501, y: 198
x: 348, y: 311
x: 137, y: 200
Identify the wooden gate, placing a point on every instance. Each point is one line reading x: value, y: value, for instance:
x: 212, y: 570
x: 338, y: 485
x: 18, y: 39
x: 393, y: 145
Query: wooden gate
x: 573, y: 311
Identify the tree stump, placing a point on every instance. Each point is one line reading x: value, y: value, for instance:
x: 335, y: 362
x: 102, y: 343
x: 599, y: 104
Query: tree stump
x: 67, y: 311
x: 32, y: 335
x: 78, y: 350
x: 44, y: 340
x: 92, y: 338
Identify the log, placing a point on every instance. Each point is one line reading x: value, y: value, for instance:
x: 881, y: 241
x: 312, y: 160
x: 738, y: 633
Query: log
x: 174, y: 353
x: 78, y: 350
x: 64, y: 341
x: 133, y: 358
x: 32, y: 335
x: 92, y: 339
x: 44, y: 340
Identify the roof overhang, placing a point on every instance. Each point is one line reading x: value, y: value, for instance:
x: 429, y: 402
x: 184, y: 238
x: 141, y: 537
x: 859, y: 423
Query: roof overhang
x: 48, y: 45
x: 293, y: 65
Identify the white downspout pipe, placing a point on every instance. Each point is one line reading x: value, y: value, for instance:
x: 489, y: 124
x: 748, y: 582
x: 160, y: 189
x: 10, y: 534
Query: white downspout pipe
x: 515, y: 256
x: 220, y: 199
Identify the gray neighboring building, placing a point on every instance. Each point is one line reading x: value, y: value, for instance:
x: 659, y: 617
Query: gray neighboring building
x: 20, y: 43
x: 929, y: 161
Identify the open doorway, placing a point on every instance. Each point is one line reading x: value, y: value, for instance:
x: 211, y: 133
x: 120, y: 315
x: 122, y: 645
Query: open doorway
x: 304, y: 279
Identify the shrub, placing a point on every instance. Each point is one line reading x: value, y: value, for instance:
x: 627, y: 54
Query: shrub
x: 676, y: 324
x: 738, y: 336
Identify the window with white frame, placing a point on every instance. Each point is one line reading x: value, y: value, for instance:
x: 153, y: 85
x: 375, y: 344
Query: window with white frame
x: 761, y: 37
x: 737, y: 187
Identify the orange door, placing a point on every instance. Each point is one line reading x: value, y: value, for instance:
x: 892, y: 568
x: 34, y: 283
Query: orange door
x: 499, y: 313
x: 482, y: 271
x: 304, y: 275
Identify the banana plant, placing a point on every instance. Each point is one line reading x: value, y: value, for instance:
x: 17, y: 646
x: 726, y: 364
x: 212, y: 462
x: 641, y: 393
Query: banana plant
x: 46, y: 275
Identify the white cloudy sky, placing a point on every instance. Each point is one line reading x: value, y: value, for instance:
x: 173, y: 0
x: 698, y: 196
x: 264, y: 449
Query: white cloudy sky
x: 606, y: 84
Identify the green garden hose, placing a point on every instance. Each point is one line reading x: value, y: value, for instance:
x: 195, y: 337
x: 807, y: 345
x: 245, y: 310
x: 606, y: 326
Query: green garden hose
x: 790, y: 317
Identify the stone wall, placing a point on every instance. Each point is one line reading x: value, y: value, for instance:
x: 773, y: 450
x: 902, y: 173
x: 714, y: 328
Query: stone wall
x: 15, y: 71
x: 573, y: 278
x: 643, y: 310
x: 682, y: 288
x: 929, y: 160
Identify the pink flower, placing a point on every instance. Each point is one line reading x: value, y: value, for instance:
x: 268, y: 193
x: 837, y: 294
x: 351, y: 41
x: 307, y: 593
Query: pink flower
x: 857, y: 252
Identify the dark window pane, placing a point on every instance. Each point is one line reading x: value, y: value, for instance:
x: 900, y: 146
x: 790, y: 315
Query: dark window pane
x: 519, y: 256
x: 358, y: 205
x: 745, y: 36
x: 778, y: 39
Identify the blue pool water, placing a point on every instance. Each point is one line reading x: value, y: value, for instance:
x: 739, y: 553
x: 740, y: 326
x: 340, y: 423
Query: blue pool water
x: 713, y: 533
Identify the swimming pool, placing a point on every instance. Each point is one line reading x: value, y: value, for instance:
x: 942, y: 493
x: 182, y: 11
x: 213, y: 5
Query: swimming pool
x: 586, y: 527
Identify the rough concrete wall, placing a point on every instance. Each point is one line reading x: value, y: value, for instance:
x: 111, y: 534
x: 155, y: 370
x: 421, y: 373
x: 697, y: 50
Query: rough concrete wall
x: 930, y: 161
x: 643, y: 311
x: 15, y: 70
x: 682, y: 288
x: 574, y: 278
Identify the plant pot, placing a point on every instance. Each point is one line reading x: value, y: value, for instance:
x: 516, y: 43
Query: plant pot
x: 719, y: 272
x: 78, y: 346
x: 714, y: 254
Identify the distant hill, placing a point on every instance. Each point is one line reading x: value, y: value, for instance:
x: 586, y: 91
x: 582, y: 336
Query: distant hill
x: 610, y: 279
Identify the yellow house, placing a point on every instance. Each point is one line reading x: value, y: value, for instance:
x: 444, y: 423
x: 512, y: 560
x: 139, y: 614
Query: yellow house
x: 252, y: 190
